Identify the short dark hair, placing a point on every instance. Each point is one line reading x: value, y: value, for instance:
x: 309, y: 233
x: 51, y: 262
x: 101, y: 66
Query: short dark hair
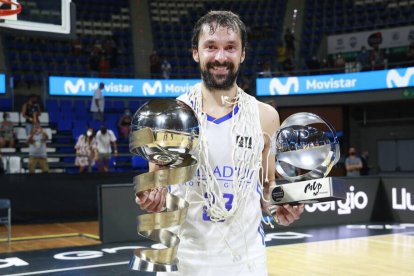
x: 101, y: 85
x: 215, y: 19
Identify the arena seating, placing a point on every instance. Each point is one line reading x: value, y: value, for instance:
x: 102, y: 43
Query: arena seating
x: 64, y: 120
x: 172, y: 21
x: 326, y: 17
x: 30, y: 60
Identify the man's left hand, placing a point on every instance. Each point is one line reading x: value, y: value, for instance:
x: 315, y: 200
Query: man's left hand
x: 287, y: 214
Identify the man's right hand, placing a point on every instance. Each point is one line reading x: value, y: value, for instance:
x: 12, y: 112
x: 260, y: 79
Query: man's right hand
x: 152, y: 200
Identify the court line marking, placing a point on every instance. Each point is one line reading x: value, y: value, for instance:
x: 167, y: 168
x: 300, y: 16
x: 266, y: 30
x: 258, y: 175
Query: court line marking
x: 68, y: 235
x: 340, y: 239
x: 67, y: 269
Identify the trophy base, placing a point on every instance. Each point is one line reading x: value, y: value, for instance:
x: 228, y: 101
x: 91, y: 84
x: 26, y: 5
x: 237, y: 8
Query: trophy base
x: 139, y: 264
x: 309, y: 191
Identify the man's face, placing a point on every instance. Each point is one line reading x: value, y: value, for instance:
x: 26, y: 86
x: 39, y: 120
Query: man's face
x: 219, y: 55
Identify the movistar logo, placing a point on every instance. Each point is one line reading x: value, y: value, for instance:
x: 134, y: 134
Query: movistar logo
x: 150, y: 90
x: 71, y: 88
x: 394, y: 79
x: 277, y: 87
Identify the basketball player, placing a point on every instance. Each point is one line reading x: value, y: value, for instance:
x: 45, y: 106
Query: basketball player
x: 222, y: 234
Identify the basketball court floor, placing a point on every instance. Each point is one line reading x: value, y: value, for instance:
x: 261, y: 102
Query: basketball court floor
x: 374, y: 249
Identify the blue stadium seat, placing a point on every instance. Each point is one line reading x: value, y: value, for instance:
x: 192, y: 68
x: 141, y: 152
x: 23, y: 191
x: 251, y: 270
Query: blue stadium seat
x: 139, y: 163
x: 6, y: 104
x: 118, y: 106
x: 64, y: 125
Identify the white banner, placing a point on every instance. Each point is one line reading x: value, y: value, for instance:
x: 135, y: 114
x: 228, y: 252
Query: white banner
x: 385, y: 38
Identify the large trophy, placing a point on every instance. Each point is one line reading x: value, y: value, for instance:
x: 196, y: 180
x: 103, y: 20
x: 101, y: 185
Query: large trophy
x: 164, y: 132
x: 304, y: 156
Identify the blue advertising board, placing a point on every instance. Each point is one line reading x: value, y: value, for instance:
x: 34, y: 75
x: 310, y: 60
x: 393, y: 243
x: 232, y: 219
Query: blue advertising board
x: 336, y: 83
x: 2, y: 84
x: 151, y: 88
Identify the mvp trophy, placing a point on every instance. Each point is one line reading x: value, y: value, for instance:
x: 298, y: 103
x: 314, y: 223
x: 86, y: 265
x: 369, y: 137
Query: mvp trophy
x: 305, y: 155
x: 164, y: 132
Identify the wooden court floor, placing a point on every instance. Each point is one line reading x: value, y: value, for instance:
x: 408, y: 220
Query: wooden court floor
x: 47, y: 236
x: 387, y: 254
x: 391, y: 254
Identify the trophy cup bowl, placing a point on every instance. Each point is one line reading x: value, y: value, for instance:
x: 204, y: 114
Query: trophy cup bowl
x: 305, y: 155
x: 164, y: 132
x: 175, y: 129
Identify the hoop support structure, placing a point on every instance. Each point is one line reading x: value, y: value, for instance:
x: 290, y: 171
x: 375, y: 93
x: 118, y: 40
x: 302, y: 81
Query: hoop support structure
x: 11, y: 11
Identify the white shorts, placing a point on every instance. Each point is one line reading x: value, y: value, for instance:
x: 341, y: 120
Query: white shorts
x: 256, y: 268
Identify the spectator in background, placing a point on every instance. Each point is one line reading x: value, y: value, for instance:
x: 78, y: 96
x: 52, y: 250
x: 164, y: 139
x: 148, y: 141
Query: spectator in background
x: 124, y: 124
x: 363, y: 59
x: 104, y: 67
x: 410, y: 55
x: 2, y: 169
x: 98, y: 103
x: 280, y: 56
x: 325, y: 66
x: 37, y: 149
x: 77, y: 47
x: 6, y: 132
x: 94, y: 59
x: 111, y: 51
x: 31, y: 111
x: 288, y: 66
x: 289, y: 39
x: 376, y: 59
x: 104, y: 139
x: 266, y: 71
x: 339, y: 63
x: 86, y: 151
x: 166, y: 69
x: 155, y: 65
x: 313, y: 65
x: 353, y: 163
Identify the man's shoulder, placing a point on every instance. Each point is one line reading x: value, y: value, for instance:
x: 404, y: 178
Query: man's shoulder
x: 267, y: 112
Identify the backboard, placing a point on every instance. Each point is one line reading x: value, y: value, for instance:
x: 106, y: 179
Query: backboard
x: 42, y: 16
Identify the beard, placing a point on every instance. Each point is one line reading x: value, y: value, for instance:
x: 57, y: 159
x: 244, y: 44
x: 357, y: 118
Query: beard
x: 219, y: 82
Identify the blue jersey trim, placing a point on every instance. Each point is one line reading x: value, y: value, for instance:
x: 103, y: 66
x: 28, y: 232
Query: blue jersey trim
x: 224, y: 118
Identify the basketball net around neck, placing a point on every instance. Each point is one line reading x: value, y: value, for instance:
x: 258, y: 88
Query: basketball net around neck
x: 247, y: 149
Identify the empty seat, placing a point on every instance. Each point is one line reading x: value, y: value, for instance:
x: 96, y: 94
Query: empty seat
x: 5, y: 215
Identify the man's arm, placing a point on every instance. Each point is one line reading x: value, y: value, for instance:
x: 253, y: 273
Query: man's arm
x: 270, y: 122
x: 23, y: 111
x: 114, y: 145
x: 97, y: 100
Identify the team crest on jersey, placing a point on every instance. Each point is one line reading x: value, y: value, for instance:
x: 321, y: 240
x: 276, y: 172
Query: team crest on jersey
x: 244, y: 141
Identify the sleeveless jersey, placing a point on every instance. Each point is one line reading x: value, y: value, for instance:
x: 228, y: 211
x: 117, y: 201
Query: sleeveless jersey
x: 235, y: 245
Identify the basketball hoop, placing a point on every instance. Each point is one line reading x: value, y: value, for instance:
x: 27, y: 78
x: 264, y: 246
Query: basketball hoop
x: 17, y: 10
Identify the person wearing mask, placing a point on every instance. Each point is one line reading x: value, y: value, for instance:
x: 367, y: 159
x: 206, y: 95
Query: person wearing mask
x: 37, y: 149
x: 31, y: 111
x: 105, y: 138
x: 6, y: 132
x: 86, y: 152
x: 353, y: 163
x: 98, y: 103
x: 124, y: 124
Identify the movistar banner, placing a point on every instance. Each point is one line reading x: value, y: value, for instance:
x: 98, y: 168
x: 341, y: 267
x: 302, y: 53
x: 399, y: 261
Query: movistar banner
x: 336, y: 83
x: 2, y: 84
x: 70, y: 86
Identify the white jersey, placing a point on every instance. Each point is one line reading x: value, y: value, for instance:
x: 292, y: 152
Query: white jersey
x: 235, y: 246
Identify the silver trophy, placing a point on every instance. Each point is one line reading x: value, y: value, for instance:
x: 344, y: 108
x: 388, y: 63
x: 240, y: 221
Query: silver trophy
x: 304, y: 156
x: 164, y: 132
